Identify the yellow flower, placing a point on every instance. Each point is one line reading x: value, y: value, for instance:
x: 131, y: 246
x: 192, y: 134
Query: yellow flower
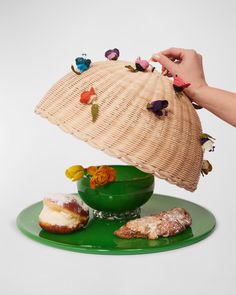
x: 75, y: 172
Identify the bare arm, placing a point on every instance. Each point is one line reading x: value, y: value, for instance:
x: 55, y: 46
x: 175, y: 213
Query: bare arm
x: 219, y: 102
x: 188, y: 65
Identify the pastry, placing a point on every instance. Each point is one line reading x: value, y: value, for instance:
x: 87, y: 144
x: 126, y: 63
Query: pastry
x: 165, y: 224
x: 63, y: 213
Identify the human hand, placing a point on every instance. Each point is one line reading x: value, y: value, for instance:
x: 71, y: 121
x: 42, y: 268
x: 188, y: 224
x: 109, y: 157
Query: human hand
x: 185, y: 63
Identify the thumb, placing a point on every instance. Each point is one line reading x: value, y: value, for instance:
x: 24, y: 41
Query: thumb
x: 166, y: 62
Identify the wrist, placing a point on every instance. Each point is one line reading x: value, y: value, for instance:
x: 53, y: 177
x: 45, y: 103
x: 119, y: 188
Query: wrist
x: 196, y: 93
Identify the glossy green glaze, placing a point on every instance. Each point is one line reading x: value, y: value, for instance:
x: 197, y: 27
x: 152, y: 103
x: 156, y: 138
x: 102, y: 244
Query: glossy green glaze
x: 98, y: 235
x: 131, y: 189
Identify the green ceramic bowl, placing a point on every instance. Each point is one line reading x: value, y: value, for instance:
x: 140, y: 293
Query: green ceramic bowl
x: 131, y: 189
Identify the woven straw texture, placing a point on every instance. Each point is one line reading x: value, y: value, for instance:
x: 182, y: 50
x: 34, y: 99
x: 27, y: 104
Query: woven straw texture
x: 167, y: 147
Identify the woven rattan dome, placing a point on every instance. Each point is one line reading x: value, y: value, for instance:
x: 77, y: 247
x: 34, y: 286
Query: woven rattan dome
x: 167, y: 147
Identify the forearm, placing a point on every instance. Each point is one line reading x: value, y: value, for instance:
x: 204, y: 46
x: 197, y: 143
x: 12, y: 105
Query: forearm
x: 187, y: 64
x: 220, y: 102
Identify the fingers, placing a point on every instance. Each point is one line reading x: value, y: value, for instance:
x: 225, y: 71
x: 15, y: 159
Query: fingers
x: 165, y: 72
x: 168, y: 59
x: 167, y: 63
x: 176, y: 54
x: 173, y: 53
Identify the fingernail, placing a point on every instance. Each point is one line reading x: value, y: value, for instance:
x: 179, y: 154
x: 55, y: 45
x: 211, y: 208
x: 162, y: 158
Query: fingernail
x: 156, y: 57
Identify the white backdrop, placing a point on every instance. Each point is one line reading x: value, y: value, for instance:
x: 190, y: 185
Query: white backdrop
x: 39, y: 41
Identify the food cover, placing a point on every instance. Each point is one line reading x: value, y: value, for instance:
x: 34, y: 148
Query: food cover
x: 112, y: 107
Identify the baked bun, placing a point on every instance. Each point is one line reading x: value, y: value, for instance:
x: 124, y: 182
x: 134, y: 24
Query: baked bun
x: 63, y: 213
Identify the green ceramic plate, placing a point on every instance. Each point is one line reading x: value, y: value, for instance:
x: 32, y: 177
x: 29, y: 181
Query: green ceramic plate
x: 98, y: 237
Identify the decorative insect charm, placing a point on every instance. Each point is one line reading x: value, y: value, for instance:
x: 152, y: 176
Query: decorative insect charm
x: 141, y: 65
x: 207, y: 142
x: 157, y: 107
x: 206, y: 167
x: 89, y: 97
x: 82, y: 64
x: 112, y: 54
x: 179, y: 84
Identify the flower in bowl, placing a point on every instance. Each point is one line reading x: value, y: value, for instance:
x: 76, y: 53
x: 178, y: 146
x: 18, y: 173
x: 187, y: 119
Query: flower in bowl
x: 116, y: 191
x: 98, y: 176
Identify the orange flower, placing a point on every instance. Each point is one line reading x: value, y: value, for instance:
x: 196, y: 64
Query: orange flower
x: 102, y: 176
x: 103, y: 168
x: 91, y: 170
x: 112, y: 175
x: 92, y: 183
x: 110, y: 171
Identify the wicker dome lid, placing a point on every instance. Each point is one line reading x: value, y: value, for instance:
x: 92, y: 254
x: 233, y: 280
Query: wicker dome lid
x: 167, y: 146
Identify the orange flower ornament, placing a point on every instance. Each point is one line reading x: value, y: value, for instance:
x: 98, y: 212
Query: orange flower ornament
x: 103, y: 175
